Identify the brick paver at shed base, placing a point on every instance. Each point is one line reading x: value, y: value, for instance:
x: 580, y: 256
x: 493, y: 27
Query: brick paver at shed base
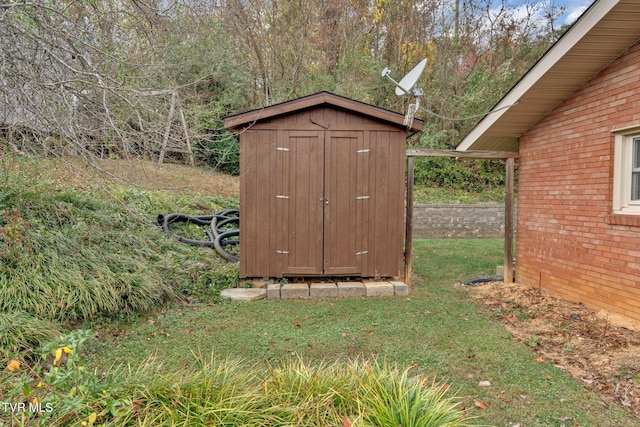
x: 339, y: 289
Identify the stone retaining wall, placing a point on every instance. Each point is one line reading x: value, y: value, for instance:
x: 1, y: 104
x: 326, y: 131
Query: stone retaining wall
x: 458, y: 221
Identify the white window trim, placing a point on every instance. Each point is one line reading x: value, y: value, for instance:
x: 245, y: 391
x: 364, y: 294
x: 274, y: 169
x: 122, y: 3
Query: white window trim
x: 622, y: 166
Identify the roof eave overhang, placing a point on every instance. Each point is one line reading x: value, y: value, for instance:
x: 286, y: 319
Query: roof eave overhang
x: 588, y: 47
x: 246, y: 119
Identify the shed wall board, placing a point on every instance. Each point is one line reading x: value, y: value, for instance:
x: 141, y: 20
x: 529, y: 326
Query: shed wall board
x: 322, y: 184
x: 568, y: 241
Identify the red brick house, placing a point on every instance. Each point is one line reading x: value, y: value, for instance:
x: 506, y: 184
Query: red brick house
x: 575, y: 122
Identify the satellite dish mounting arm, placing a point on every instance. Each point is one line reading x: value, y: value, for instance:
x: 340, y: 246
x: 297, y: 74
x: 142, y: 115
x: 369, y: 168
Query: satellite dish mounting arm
x: 408, y: 86
x: 385, y: 74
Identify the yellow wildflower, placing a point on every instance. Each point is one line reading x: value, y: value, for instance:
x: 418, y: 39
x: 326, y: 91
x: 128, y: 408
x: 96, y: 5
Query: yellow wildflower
x: 92, y: 419
x: 13, y: 365
x: 58, y: 356
x: 34, y: 400
x: 66, y: 349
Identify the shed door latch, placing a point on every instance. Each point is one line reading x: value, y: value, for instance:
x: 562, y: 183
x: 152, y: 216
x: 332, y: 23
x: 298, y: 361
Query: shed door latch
x: 280, y: 196
x: 362, y: 197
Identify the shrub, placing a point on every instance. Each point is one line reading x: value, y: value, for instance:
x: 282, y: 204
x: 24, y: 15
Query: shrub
x: 470, y: 175
x: 57, y: 389
x: 218, y: 147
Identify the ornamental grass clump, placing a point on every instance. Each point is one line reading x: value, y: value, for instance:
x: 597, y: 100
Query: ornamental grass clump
x: 21, y: 333
x: 69, y: 255
x: 73, y: 257
x: 58, y: 390
x: 319, y: 394
x: 291, y: 393
x: 216, y: 392
x: 391, y: 397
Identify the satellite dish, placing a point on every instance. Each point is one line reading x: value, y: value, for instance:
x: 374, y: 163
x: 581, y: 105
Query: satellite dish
x: 407, y: 86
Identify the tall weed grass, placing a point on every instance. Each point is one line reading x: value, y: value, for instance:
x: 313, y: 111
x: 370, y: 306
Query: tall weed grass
x: 70, y: 255
x: 21, y: 333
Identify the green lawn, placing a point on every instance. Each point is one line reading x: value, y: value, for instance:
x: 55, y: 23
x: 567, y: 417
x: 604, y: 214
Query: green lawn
x: 90, y: 256
x: 437, y: 331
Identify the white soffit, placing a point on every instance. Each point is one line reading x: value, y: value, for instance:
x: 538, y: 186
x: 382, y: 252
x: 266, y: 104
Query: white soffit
x: 604, y: 31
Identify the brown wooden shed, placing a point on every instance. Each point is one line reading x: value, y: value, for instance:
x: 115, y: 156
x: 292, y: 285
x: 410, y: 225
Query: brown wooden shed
x: 321, y: 188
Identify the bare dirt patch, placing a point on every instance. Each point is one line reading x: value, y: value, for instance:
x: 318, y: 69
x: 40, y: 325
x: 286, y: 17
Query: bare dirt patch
x: 600, y: 350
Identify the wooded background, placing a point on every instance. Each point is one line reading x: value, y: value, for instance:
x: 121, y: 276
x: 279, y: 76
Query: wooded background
x: 124, y: 77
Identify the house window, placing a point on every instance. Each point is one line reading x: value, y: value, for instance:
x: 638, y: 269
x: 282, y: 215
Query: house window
x: 635, y: 171
x: 626, y: 172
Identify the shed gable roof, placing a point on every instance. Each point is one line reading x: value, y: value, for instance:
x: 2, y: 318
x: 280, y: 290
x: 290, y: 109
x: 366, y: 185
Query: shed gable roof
x: 317, y: 100
x: 605, y: 31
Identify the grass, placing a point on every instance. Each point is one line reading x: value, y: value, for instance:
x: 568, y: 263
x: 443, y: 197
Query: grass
x: 229, y: 392
x: 436, y: 332
x: 63, y: 236
x: 23, y: 332
x: 78, y: 253
x: 431, y: 195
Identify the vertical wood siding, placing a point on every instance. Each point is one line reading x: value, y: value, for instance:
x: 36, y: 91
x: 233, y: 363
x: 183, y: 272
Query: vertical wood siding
x: 322, y: 193
x: 386, y: 214
x: 259, y: 215
x: 342, y: 231
x: 303, y: 200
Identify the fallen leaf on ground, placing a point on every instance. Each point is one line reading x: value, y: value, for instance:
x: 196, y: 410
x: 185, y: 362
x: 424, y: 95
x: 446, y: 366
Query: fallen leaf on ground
x: 480, y: 405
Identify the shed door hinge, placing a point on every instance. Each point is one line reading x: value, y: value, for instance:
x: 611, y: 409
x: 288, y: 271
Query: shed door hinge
x: 362, y: 197
x: 282, y: 252
x: 280, y: 196
x: 366, y: 150
x: 283, y: 149
x: 362, y: 253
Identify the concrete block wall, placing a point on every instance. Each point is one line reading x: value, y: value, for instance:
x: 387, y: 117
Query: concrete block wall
x: 461, y: 221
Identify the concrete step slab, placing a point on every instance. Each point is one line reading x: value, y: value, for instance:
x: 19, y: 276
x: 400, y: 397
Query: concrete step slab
x: 351, y: 289
x: 400, y: 288
x: 319, y: 290
x: 294, y: 291
x: 244, y: 294
x: 323, y: 290
x: 273, y: 291
x: 379, y: 289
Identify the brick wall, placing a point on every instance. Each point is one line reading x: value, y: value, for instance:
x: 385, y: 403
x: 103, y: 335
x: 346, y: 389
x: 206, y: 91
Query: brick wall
x: 458, y: 221
x: 566, y: 242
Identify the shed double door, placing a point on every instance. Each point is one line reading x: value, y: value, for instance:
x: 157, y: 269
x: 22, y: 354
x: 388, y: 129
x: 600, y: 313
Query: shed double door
x: 322, y: 201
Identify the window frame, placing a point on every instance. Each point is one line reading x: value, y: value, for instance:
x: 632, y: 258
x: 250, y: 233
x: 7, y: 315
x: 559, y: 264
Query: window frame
x: 623, y: 171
